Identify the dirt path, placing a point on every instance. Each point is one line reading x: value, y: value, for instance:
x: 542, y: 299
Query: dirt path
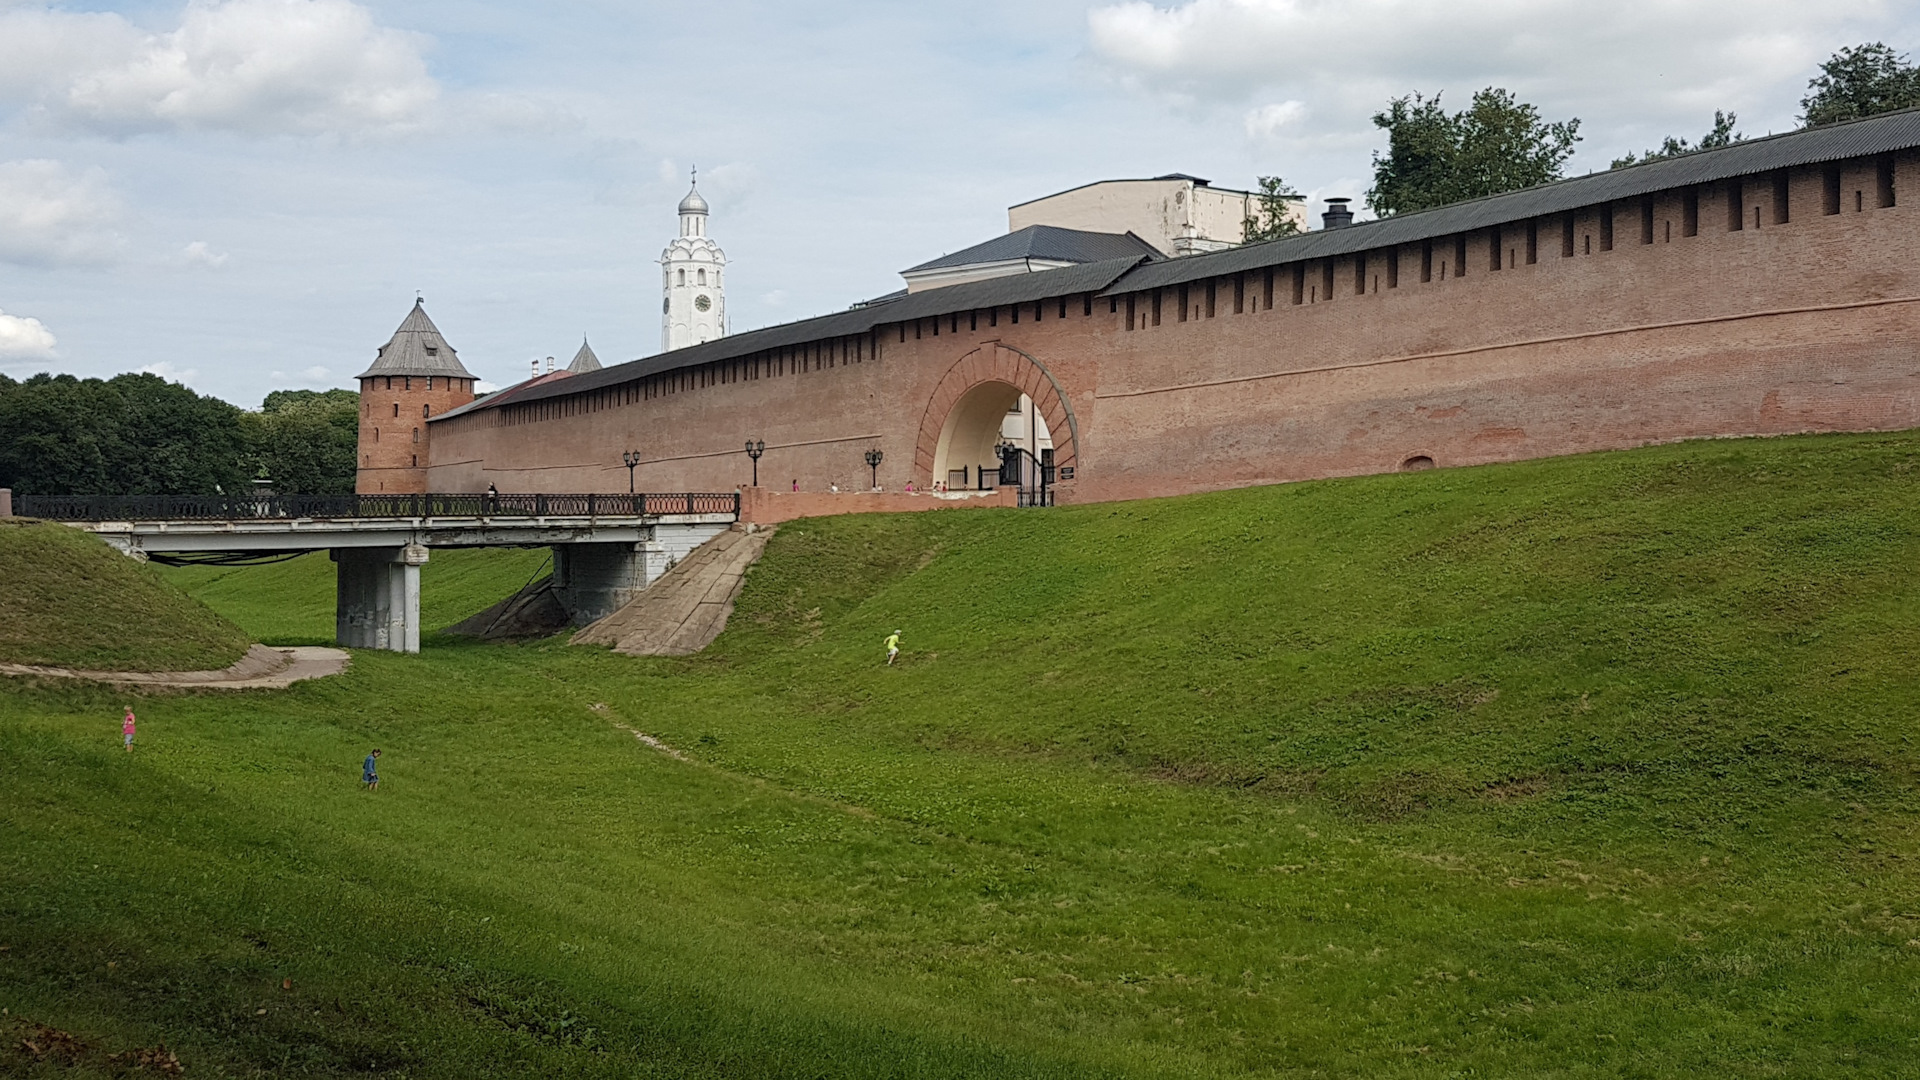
x: 262, y: 668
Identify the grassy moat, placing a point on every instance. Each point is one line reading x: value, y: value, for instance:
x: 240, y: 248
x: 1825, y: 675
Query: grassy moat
x: 1598, y: 766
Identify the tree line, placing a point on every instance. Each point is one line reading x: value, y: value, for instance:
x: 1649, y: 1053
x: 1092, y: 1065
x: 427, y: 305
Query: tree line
x: 1499, y: 143
x: 138, y: 434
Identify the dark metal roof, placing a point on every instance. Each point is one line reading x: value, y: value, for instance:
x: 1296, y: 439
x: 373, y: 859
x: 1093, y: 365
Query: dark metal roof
x: 1860, y: 138
x: 971, y: 296
x: 1048, y: 242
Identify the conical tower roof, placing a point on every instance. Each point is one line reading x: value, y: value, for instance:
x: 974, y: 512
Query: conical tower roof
x: 417, y: 349
x: 584, y: 360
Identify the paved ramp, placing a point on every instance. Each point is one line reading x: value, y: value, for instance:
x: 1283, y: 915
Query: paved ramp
x: 684, y: 610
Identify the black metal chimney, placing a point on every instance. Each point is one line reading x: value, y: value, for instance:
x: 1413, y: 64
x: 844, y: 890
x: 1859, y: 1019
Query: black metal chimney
x: 1337, y: 215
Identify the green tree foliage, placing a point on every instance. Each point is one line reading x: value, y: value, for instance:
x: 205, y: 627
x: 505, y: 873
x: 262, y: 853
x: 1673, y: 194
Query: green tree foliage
x: 133, y: 434
x: 1434, y: 157
x: 1861, y: 81
x: 1721, y: 135
x: 1272, y: 217
x: 304, y: 440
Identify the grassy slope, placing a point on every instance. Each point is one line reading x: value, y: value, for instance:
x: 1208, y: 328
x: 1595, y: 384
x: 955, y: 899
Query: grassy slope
x: 1596, y: 766
x: 68, y: 600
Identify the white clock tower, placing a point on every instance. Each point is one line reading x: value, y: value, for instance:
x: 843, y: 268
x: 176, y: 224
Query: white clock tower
x: 695, y: 305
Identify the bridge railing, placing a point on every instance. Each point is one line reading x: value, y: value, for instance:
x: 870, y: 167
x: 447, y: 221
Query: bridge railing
x: 333, y: 507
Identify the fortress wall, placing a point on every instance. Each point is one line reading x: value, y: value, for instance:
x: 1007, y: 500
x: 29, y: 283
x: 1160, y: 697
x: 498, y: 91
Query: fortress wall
x: 1809, y: 324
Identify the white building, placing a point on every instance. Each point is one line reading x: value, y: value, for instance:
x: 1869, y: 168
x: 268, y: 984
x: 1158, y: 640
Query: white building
x: 693, y: 307
x: 1176, y: 213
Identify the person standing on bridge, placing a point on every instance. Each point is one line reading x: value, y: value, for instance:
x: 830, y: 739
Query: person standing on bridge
x: 369, y: 775
x: 126, y: 730
x: 893, y: 647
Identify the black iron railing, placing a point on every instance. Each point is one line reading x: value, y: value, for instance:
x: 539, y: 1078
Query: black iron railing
x: 332, y: 507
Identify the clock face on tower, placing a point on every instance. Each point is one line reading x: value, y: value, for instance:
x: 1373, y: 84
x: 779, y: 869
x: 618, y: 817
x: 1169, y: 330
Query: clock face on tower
x: 701, y: 303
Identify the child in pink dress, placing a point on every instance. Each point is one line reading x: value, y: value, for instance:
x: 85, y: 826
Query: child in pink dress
x: 126, y: 730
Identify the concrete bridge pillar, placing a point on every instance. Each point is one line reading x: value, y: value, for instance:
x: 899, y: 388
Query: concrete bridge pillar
x: 377, y: 597
x: 596, y: 580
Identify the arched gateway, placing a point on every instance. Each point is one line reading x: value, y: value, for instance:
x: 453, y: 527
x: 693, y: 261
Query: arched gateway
x: 963, y: 419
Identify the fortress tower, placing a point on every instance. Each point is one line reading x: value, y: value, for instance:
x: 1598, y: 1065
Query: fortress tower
x: 414, y: 377
x: 694, y: 308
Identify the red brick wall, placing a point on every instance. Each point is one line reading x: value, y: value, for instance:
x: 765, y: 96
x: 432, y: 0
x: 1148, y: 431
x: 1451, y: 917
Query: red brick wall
x: 394, y: 433
x: 1807, y: 325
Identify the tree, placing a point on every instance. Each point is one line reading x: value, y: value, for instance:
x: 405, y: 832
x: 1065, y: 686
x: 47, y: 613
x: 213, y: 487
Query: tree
x: 1721, y: 135
x: 129, y: 435
x: 1433, y: 158
x: 1272, y: 216
x: 305, y: 441
x: 1860, y: 81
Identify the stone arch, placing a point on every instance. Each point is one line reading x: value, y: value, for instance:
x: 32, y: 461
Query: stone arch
x: 997, y: 363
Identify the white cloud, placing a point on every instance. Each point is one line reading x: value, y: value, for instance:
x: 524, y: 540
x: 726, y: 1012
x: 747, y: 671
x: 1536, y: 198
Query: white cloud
x: 170, y: 372
x: 250, y: 66
x: 51, y: 215
x: 1267, y: 121
x: 312, y: 376
x: 1647, y: 62
x: 24, y: 338
x: 199, y: 254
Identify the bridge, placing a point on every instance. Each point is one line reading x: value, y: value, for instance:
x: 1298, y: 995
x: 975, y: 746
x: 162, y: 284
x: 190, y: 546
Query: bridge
x: 606, y: 548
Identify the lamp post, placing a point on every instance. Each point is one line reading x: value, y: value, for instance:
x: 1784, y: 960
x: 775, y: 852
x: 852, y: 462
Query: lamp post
x: 631, y: 459
x: 873, y: 463
x: 756, y: 447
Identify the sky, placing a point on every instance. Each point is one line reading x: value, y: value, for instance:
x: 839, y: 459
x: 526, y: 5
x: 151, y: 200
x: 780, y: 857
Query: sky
x: 247, y: 195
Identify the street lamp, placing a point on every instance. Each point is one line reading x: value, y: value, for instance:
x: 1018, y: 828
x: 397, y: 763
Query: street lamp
x: 756, y: 447
x: 873, y: 462
x: 630, y: 458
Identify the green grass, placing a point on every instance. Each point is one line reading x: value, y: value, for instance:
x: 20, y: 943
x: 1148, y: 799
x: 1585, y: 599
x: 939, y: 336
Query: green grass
x: 68, y: 600
x: 291, y: 603
x: 1599, y: 766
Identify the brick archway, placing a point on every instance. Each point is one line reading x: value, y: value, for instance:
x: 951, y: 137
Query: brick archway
x: 997, y: 363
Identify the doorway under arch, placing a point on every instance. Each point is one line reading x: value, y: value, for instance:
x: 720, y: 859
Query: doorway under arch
x: 972, y: 402
x: 987, y: 415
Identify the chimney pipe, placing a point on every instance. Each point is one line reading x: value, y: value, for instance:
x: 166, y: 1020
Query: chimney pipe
x: 536, y: 367
x: 549, y: 365
x: 1337, y: 215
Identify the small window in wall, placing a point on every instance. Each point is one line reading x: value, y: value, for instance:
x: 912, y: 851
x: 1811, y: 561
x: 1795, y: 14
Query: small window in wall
x: 1393, y: 268
x: 1690, y: 212
x: 1156, y: 307
x: 1129, y: 311
x: 682, y: 275
x: 1533, y: 242
x: 1606, y: 228
x: 416, y: 461
x: 430, y: 350
x: 1360, y: 274
x: 376, y: 434
x: 973, y: 320
x: 1460, y: 255
x: 1646, y: 221
x: 1182, y: 293
x: 416, y: 434
x: 1268, y: 288
x: 1426, y: 261
x: 1326, y: 279
x: 1213, y: 297
x: 1416, y: 463
x: 1113, y: 305
x: 1086, y: 304
x: 1587, y: 244
x: 1495, y: 248
x: 1780, y: 195
x: 1299, y: 283
x: 1830, y: 192
x: 1736, y: 207
x: 396, y: 408
x: 1883, y: 182
x: 1239, y: 294
x: 426, y: 411
x: 1013, y: 314
x: 1566, y: 236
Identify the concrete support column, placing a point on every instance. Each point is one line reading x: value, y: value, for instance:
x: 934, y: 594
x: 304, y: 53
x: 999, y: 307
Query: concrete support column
x: 6, y: 502
x: 593, y: 581
x: 377, y: 597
